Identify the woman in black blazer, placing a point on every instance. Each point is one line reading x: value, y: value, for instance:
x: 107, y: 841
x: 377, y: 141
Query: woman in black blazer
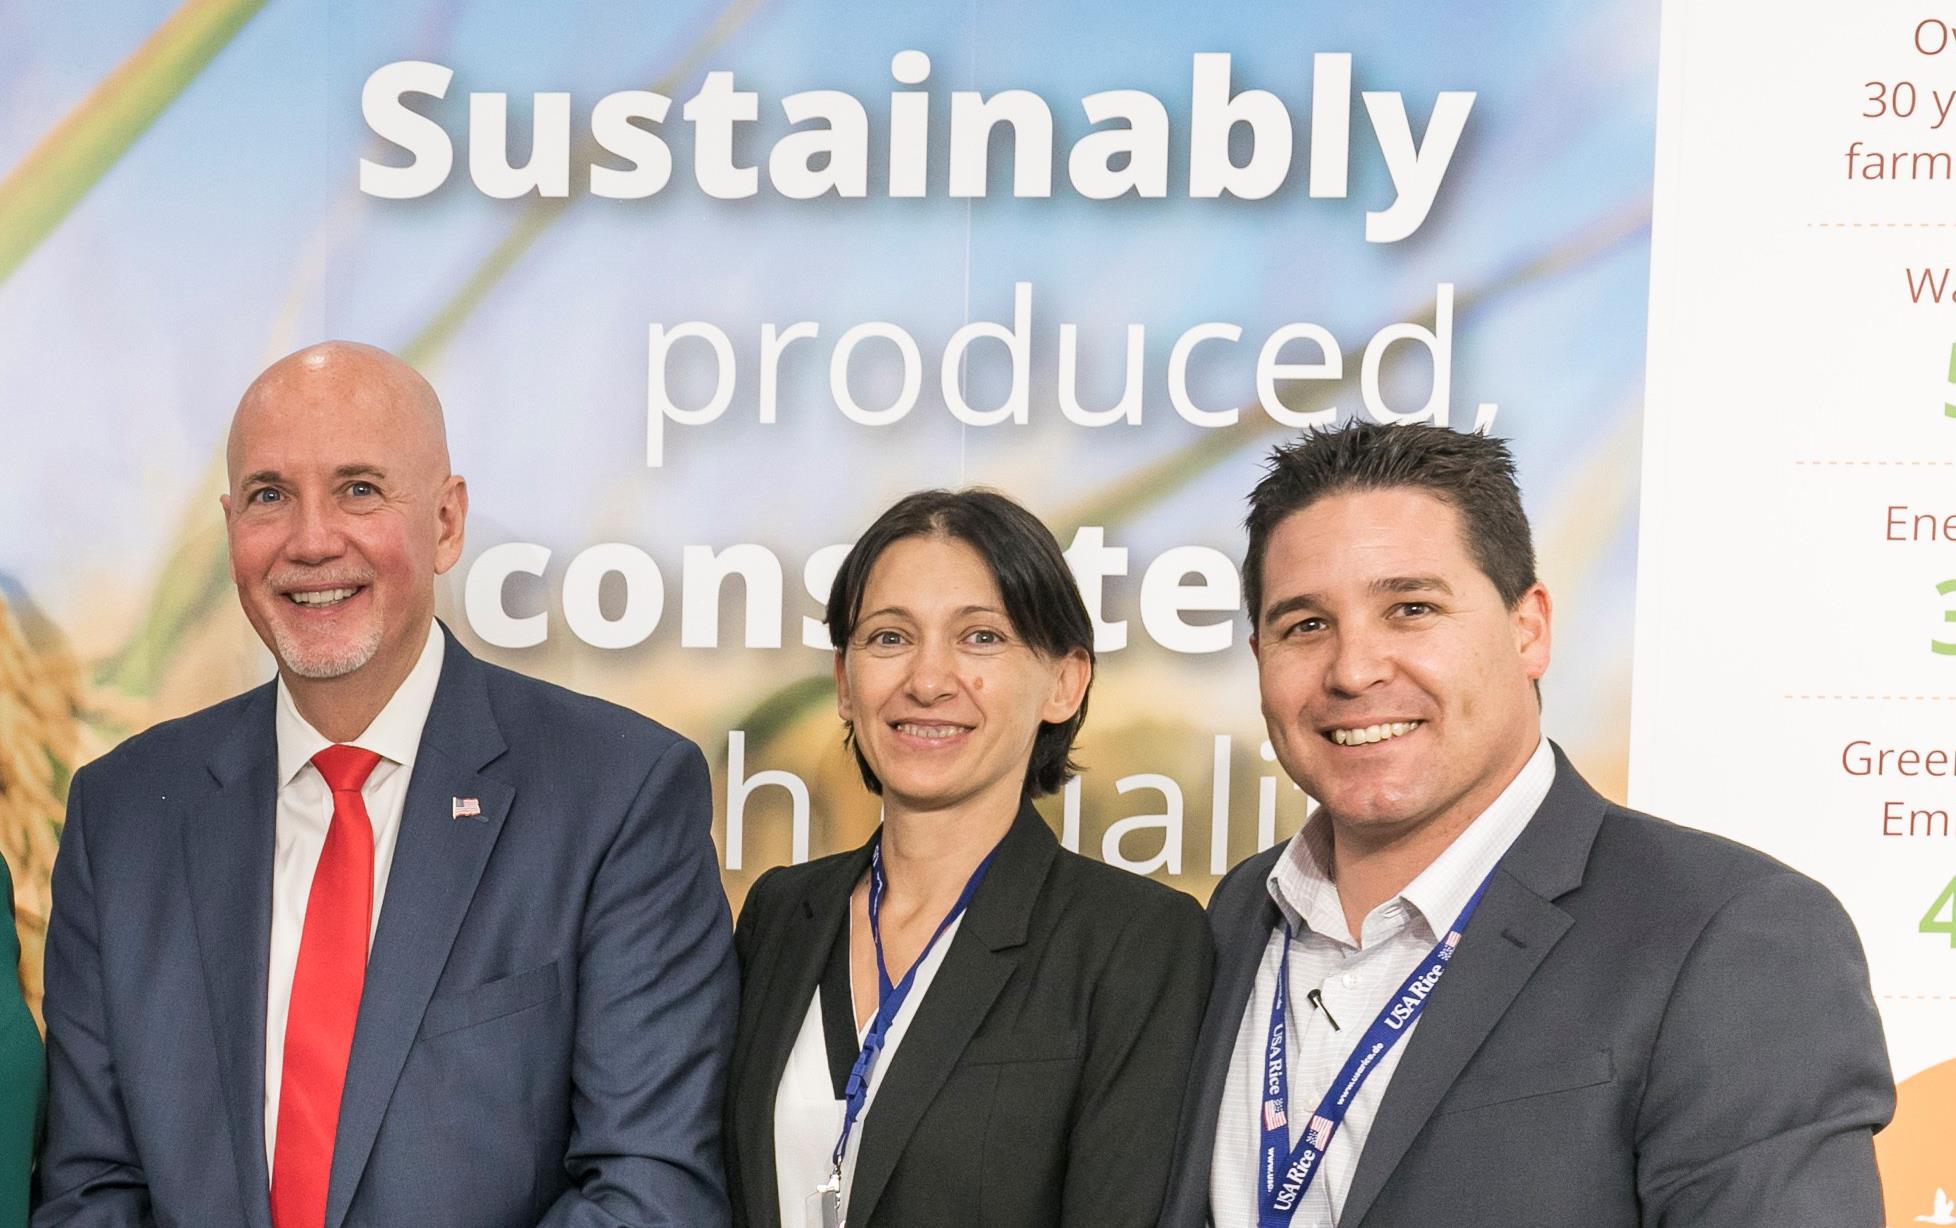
x: 1032, y: 1073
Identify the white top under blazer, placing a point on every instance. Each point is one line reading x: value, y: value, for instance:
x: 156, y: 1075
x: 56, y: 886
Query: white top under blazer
x: 807, y: 1115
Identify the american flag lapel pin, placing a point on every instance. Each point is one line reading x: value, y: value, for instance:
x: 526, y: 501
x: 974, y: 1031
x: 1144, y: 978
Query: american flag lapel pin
x: 465, y: 808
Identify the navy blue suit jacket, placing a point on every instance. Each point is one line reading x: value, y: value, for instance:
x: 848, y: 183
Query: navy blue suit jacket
x: 549, y: 1001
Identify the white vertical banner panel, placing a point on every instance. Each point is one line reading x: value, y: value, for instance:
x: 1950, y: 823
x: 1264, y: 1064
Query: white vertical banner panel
x: 1795, y: 659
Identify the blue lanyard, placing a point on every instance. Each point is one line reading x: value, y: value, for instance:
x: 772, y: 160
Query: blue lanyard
x: 1285, y: 1172
x: 890, y: 998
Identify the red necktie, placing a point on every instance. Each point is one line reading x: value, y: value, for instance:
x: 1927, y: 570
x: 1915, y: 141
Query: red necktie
x: 326, y: 987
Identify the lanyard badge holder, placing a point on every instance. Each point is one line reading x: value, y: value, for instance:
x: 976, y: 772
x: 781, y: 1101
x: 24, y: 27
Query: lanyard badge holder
x: 824, y: 1206
x: 1284, y: 1172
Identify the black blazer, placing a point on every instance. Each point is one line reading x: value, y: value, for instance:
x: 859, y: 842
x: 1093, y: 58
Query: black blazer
x: 1040, y: 1081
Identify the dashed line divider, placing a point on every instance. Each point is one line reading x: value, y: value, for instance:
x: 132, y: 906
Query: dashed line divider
x: 1916, y: 698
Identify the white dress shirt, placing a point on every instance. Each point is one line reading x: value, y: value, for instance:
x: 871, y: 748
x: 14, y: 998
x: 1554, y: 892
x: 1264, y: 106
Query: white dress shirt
x: 1355, y: 979
x: 808, y: 1117
x: 305, y: 811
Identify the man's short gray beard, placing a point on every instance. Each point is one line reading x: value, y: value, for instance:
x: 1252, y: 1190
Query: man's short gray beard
x: 320, y: 664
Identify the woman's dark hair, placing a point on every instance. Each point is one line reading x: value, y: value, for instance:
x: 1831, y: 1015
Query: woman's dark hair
x: 1041, y: 599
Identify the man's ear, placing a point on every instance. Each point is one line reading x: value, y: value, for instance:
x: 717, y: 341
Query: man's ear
x: 1531, y: 618
x: 231, y: 556
x: 452, y: 511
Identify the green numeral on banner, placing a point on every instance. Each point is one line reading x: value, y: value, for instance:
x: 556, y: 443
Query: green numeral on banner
x: 1949, y: 616
x: 1946, y: 904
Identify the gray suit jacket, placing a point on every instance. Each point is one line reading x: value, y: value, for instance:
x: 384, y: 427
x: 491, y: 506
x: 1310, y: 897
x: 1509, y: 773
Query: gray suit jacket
x: 549, y: 1002
x: 1645, y: 1026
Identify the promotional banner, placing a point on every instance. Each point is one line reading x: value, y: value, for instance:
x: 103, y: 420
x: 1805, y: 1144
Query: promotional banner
x: 705, y: 287
x: 1795, y: 667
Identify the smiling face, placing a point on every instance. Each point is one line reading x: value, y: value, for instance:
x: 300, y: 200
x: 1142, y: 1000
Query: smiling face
x: 944, y: 695
x: 1397, y: 685
x: 340, y: 515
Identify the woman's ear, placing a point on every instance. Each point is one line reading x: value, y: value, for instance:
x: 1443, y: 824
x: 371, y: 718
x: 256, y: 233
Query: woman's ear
x: 1071, y: 674
x: 842, y: 707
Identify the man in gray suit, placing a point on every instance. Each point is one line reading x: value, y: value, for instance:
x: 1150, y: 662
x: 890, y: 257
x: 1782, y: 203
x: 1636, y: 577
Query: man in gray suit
x: 1471, y: 991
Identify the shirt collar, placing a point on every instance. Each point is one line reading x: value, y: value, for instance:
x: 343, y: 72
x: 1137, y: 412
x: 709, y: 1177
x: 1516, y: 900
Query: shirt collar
x: 1301, y: 883
x: 394, y: 734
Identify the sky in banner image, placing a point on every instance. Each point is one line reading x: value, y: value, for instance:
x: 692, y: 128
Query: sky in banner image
x: 704, y: 286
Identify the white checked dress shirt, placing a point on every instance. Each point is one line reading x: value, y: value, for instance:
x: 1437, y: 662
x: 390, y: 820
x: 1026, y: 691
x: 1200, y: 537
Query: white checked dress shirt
x: 1355, y: 979
x: 305, y: 811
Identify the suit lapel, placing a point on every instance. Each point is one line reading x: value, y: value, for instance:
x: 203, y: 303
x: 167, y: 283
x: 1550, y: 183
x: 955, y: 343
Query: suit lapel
x: 228, y: 840
x: 1515, y: 930
x: 1512, y: 932
x: 982, y: 958
x: 786, y: 980
x: 438, y: 860
x: 1242, y: 929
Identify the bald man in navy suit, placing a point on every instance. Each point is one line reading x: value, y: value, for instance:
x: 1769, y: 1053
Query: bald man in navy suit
x: 399, y: 937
